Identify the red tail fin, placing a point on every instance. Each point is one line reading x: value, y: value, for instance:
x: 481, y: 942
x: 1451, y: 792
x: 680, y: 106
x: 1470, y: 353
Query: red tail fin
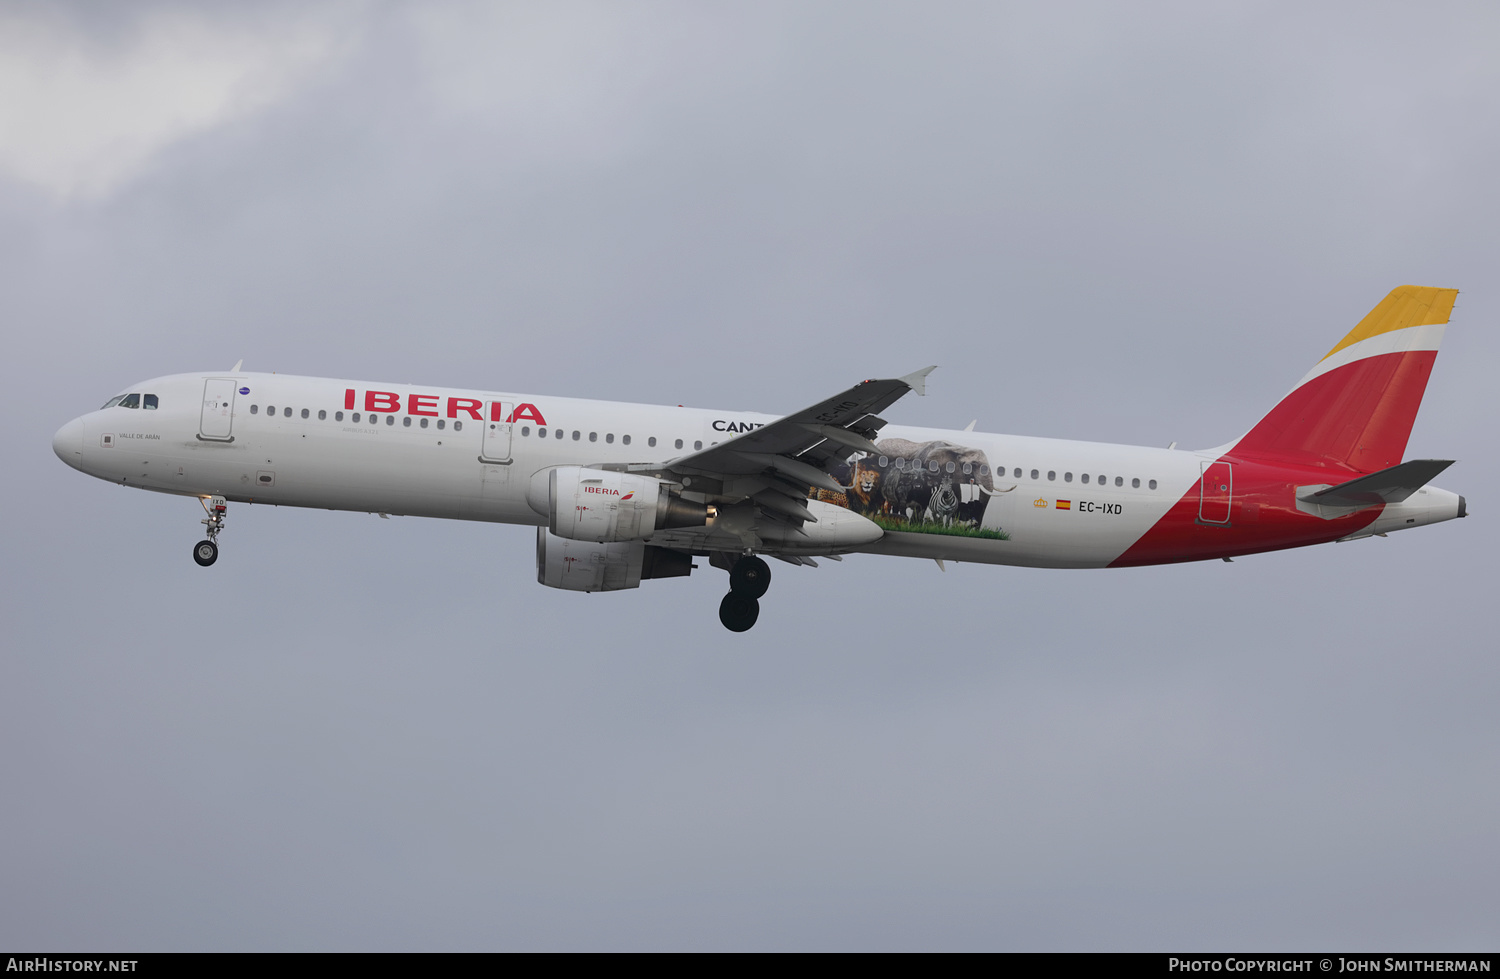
x: 1357, y: 406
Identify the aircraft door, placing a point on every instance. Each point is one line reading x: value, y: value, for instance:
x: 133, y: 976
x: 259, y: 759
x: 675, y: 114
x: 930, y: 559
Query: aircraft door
x: 1215, y: 492
x: 497, y: 431
x: 217, y: 418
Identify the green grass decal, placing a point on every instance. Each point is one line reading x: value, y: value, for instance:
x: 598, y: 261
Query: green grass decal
x: 925, y: 527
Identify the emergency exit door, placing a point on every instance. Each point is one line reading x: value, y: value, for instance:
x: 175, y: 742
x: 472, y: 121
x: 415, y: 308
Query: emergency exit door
x: 498, y: 422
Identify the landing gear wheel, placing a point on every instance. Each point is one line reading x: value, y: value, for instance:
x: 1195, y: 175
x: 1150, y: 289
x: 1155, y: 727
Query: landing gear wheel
x: 738, y: 612
x: 750, y: 577
x: 205, y: 552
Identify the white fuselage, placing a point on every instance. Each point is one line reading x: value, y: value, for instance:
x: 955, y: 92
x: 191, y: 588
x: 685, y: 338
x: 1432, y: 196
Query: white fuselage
x: 436, y: 452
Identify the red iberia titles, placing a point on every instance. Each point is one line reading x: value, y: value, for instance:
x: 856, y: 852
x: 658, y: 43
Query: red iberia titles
x: 434, y: 406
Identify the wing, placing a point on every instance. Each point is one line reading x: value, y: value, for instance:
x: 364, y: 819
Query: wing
x: 806, y: 446
x: 760, y: 481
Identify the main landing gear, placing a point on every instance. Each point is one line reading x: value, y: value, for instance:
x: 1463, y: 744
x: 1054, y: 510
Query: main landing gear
x: 206, y: 552
x: 748, y: 581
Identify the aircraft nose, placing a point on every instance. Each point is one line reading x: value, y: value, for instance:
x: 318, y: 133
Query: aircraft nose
x: 68, y: 443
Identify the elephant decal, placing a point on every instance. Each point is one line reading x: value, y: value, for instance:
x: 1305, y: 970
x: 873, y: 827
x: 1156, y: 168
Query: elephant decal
x: 921, y: 487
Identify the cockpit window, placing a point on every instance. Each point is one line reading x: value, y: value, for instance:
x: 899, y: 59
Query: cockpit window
x: 130, y: 401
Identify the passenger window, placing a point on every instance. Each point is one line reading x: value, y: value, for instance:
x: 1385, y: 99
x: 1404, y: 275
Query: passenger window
x: 1152, y: 484
x: 305, y: 412
x: 525, y: 429
x: 338, y: 416
x: 442, y: 424
x: 424, y: 423
x: 1067, y: 477
x: 679, y: 443
x: 968, y: 468
x: 1051, y: 474
x: 271, y: 410
x: 951, y: 467
x: 541, y: 433
x: 593, y: 436
x: 651, y: 441
x: 390, y: 419
x: 1035, y: 474
x: 609, y: 439
x: 149, y: 402
x: 1085, y: 479
x: 1119, y: 480
x: 625, y: 439
x: 406, y: 422
x: 884, y: 461
x: 458, y: 426
x: 374, y: 418
x: 287, y: 412
x: 932, y: 465
x: 1135, y: 484
x: 254, y: 409
x: 322, y: 415
x: 354, y: 417
x: 697, y: 445
x: 576, y: 434
x: 560, y: 433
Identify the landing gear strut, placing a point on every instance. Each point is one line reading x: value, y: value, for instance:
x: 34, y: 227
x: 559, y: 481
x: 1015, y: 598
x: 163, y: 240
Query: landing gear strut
x: 206, y: 552
x: 748, y: 581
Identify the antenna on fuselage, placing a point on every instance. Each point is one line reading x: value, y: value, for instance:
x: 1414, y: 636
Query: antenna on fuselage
x: 236, y: 368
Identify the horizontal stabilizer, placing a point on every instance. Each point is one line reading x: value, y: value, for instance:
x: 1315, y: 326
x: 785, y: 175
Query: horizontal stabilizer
x: 1386, y: 486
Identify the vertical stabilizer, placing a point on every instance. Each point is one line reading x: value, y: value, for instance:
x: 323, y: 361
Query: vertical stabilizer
x: 1357, y: 406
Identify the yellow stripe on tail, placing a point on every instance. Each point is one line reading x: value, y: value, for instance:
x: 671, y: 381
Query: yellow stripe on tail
x: 1405, y: 306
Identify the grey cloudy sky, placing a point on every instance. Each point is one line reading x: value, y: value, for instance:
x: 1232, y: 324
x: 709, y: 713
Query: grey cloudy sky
x: 1137, y: 223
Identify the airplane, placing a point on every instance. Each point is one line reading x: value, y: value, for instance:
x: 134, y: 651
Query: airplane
x: 622, y: 493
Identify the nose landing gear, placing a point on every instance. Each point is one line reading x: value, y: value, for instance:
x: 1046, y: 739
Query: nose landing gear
x: 206, y: 552
x: 748, y: 581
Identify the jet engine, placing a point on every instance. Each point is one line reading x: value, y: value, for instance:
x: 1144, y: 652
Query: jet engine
x: 603, y: 506
x: 589, y: 566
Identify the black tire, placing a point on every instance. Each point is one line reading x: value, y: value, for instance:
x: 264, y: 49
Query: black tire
x: 738, y: 612
x: 205, y: 552
x: 750, y: 577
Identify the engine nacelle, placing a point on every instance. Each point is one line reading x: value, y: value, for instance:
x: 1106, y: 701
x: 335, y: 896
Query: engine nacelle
x: 589, y: 566
x: 602, y: 506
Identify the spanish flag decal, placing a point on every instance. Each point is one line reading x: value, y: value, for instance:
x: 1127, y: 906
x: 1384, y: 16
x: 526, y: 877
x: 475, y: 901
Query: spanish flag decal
x: 1065, y: 504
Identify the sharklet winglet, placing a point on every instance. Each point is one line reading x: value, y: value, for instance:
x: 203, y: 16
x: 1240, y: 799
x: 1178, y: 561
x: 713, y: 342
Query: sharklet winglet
x: 917, y: 380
